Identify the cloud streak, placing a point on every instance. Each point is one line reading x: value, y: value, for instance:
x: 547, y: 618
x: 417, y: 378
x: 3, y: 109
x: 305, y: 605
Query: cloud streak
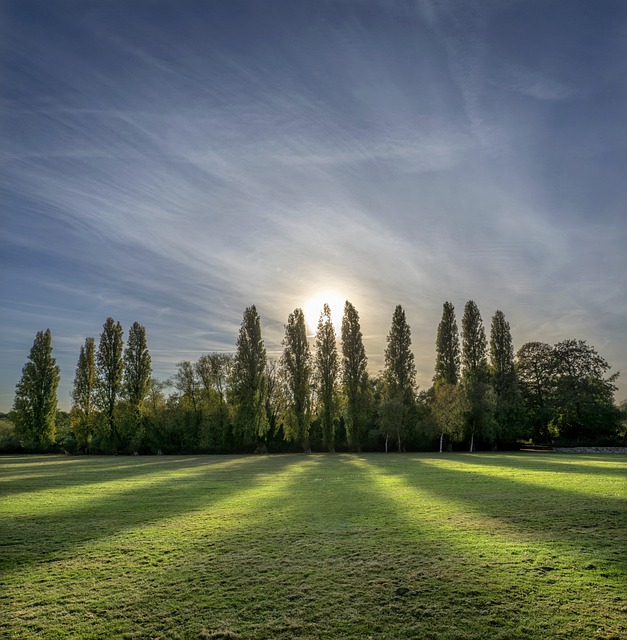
x: 175, y: 169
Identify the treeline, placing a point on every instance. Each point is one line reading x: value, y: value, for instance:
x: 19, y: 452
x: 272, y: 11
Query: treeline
x: 321, y: 398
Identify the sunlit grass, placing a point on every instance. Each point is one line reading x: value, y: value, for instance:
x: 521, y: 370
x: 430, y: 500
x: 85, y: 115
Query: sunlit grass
x: 373, y: 546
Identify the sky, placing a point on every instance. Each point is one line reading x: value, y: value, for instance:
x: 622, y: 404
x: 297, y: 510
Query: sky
x: 173, y: 163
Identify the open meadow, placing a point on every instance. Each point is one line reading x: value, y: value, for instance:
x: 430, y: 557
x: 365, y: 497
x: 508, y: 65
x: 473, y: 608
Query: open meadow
x: 524, y: 545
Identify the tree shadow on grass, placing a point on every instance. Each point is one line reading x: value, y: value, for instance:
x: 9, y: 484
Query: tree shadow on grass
x: 557, y: 463
x: 539, y: 511
x: 129, y: 499
x: 23, y: 474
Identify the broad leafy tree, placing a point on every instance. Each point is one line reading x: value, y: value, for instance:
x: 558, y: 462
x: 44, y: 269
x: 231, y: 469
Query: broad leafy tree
x: 110, y: 367
x: 296, y: 365
x: 583, y: 402
x: 35, y: 404
x: 534, y: 372
x: 448, y: 409
x: 325, y: 374
x: 399, y: 374
x: 447, y: 347
x: 249, y: 380
x: 83, y: 410
x: 354, y: 376
x: 567, y: 391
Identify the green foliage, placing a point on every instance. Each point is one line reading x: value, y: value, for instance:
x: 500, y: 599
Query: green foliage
x: 137, y: 367
x: 474, y: 346
x: 249, y: 380
x: 447, y: 357
x: 110, y: 367
x: 509, y: 409
x: 354, y: 377
x: 400, y: 370
x: 9, y: 442
x: 82, y: 415
x: 399, y: 379
x: 35, y: 404
x: 566, y: 392
x: 296, y: 365
x: 449, y: 411
x: 325, y: 375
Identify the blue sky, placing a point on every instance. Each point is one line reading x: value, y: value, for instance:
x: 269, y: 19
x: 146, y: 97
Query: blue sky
x: 175, y: 162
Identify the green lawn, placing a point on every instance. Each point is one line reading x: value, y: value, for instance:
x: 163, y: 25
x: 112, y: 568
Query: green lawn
x: 319, y: 546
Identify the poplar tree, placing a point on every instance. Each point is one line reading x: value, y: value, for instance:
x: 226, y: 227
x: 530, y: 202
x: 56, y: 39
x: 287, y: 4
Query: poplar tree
x: 502, y: 373
x: 478, y: 393
x: 137, y: 367
x: 110, y: 366
x: 296, y: 364
x: 83, y: 395
x: 137, y: 374
x: 503, y: 379
x: 35, y: 403
x: 447, y: 347
x: 399, y: 374
x: 354, y: 375
x: 249, y: 379
x: 326, y: 372
x: 474, y: 345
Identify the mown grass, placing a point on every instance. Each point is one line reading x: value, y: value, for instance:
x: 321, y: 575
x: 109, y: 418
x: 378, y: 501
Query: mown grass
x: 319, y: 546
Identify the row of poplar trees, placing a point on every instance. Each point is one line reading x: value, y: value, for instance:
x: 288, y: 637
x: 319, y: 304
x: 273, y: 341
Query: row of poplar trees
x: 323, y: 398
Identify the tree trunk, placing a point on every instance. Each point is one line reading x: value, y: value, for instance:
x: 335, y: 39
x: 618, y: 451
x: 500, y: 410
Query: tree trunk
x: 441, y: 441
x: 399, y: 443
x: 386, y: 443
x: 472, y: 443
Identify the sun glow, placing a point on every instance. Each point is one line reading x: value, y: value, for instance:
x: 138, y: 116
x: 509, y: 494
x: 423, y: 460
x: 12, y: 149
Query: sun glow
x: 313, y: 308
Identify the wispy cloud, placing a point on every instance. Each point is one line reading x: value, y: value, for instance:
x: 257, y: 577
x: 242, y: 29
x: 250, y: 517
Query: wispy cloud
x: 389, y: 153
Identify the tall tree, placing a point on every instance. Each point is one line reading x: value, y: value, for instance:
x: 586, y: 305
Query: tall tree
x: 474, y: 345
x: 447, y: 347
x: 296, y: 363
x: 110, y: 366
x: 249, y: 379
x: 137, y: 367
x: 35, y: 403
x: 503, y: 379
x: 478, y: 395
x: 137, y: 375
x: 400, y: 371
x: 326, y: 372
x: 83, y: 395
x: 354, y: 375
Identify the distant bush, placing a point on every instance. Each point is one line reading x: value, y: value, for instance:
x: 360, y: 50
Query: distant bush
x: 9, y: 442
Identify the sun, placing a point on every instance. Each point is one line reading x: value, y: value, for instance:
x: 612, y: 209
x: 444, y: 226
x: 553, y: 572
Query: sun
x: 313, y: 308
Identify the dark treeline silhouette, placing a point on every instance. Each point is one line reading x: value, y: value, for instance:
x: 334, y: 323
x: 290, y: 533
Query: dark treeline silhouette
x: 321, y: 398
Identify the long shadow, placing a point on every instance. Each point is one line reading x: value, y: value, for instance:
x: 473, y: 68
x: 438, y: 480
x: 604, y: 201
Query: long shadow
x: 27, y: 540
x: 17, y: 475
x: 315, y: 567
x: 547, y: 462
x: 366, y: 564
x: 546, y: 513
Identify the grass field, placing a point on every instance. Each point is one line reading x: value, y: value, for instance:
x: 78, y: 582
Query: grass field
x: 319, y: 546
